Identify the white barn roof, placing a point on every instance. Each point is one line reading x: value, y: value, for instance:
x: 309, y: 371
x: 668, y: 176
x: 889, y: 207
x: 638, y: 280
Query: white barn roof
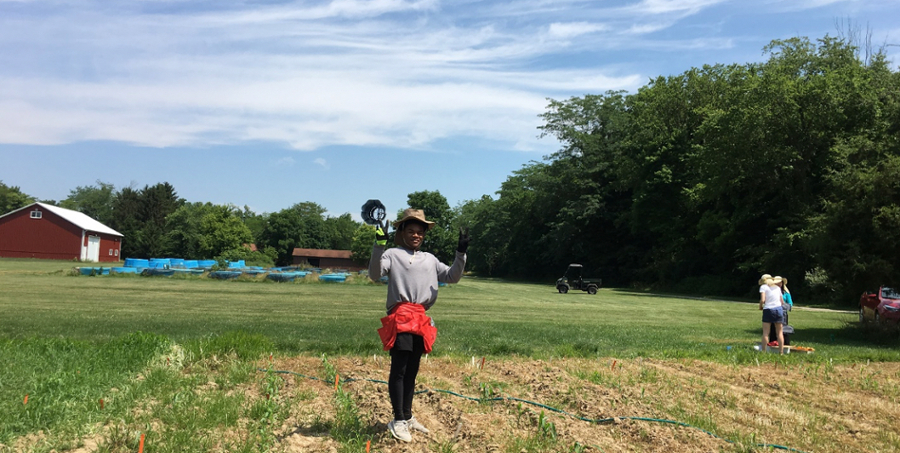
x: 76, y: 218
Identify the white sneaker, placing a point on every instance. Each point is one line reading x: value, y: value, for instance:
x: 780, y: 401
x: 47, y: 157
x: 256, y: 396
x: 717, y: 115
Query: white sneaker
x: 400, y: 430
x: 414, y: 424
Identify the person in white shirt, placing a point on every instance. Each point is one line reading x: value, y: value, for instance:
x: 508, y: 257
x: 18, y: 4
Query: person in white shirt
x: 770, y: 299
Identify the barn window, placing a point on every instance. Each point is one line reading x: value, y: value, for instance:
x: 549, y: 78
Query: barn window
x: 117, y: 252
x: 36, y: 214
x: 110, y: 252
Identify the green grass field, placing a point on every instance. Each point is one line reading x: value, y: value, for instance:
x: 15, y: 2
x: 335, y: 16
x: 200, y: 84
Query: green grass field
x: 67, y: 338
x: 474, y: 317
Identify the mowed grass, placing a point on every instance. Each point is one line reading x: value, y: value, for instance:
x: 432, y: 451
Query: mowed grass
x: 147, y: 344
x: 475, y: 317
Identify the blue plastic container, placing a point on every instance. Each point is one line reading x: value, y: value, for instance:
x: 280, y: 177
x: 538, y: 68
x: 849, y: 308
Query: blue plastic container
x: 158, y: 272
x: 160, y: 263
x: 239, y: 264
x: 191, y: 264
x: 286, y: 276
x: 333, y: 278
x: 188, y: 271
x: 176, y: 262
x: 206, y: 263
x: 94, y: 270
x: 124, y: 270
x: 224, y: 275
x: 136, y: 262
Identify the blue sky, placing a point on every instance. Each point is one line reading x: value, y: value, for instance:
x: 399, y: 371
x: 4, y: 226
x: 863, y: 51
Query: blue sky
x: 269, y: 103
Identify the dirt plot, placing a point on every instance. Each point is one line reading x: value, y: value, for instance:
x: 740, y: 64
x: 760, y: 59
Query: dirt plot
x: 806, y: 407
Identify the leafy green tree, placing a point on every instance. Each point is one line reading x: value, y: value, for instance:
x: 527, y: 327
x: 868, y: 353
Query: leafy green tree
x: 263, y: 258
x: 700, y: 181
x: 94, y: 201
x: 157, y: 202
x: 361, y: 247
x: 854, y: 237
x: 126, y: 219
x: 300, y: 226
x: 205, y: 230
x: 255, y: 222
x: 488, y: 233
x: 12, y: 198
x: 141, y: 217
x: 341, y: 231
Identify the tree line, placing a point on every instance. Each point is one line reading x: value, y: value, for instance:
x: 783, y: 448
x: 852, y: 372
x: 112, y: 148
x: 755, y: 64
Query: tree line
x: 156, y: 222
x: 700, y: 182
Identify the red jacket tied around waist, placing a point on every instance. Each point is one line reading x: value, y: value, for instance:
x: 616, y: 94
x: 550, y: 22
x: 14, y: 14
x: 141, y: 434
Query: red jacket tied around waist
x: 407, y: 317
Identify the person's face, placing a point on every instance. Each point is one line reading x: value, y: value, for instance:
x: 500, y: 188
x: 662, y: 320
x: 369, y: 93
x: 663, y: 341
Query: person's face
x: 413, y: 234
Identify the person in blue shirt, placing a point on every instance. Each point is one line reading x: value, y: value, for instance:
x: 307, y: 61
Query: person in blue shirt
x: 786, y: 294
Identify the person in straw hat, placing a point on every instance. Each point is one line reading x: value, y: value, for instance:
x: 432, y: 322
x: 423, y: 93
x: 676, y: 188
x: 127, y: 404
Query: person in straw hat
x: 786, y: 293
x: 787, y: 304
x: 770, y: 300
x: 762, y: 281
x: 406, y: 331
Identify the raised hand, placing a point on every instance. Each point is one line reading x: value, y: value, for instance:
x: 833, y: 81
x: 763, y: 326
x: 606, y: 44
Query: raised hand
x: 381, y: 234
x: 463, y: 244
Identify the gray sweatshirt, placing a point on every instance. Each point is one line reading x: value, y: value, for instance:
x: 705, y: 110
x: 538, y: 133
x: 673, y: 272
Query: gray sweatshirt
x: 414, y: 276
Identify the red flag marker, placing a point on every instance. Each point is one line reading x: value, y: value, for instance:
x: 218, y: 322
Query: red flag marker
x: 101, y: 404
x: 368, y: 444
x: 482, y: 362
x: 26, y: 400
x: 141, y: 447
x: 613, y: 365
x: 336, y: 378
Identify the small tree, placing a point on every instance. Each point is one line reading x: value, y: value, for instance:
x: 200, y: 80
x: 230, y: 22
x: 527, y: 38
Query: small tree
x: 12, y: 198
x: 361, y: 247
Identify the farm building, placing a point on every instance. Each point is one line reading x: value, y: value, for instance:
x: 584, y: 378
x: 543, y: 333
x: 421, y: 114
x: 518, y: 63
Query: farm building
x: 45, y: 231
x: 325, y: 259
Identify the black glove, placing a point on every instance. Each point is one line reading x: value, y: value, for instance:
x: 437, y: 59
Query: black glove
x: 381, y: 234
x: 463, y: 240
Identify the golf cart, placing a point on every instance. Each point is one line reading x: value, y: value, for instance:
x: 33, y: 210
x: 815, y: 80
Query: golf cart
x: 572, y: 279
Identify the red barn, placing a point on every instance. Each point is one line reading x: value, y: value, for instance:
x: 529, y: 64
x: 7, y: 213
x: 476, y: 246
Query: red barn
x: 331, y: 259
x: 44, y: 231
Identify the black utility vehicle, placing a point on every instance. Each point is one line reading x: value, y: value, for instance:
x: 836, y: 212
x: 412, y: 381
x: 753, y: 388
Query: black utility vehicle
x: 572, y: 279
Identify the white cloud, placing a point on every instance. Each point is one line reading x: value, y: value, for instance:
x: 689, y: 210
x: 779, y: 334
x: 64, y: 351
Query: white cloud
x: 674, y: 6
x: 285, y: 162
x: 401, y: 73
x: 573, y: 29
x: 322, y: 162
x: 800, y: 5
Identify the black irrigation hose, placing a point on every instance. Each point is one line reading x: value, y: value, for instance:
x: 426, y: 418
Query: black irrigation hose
x: 544, y: 406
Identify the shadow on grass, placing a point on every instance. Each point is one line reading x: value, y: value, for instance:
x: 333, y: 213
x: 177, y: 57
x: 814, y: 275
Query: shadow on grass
x: 641, y: 293
x: 851, y: 333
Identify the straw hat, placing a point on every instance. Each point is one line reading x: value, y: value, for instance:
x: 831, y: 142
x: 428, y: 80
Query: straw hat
x: 764, y: 279
x: 776, y: 280
x: 416, y: 215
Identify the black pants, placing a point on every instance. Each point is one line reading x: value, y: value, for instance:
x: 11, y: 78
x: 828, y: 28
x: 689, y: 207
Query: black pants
x: 404, y: 369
